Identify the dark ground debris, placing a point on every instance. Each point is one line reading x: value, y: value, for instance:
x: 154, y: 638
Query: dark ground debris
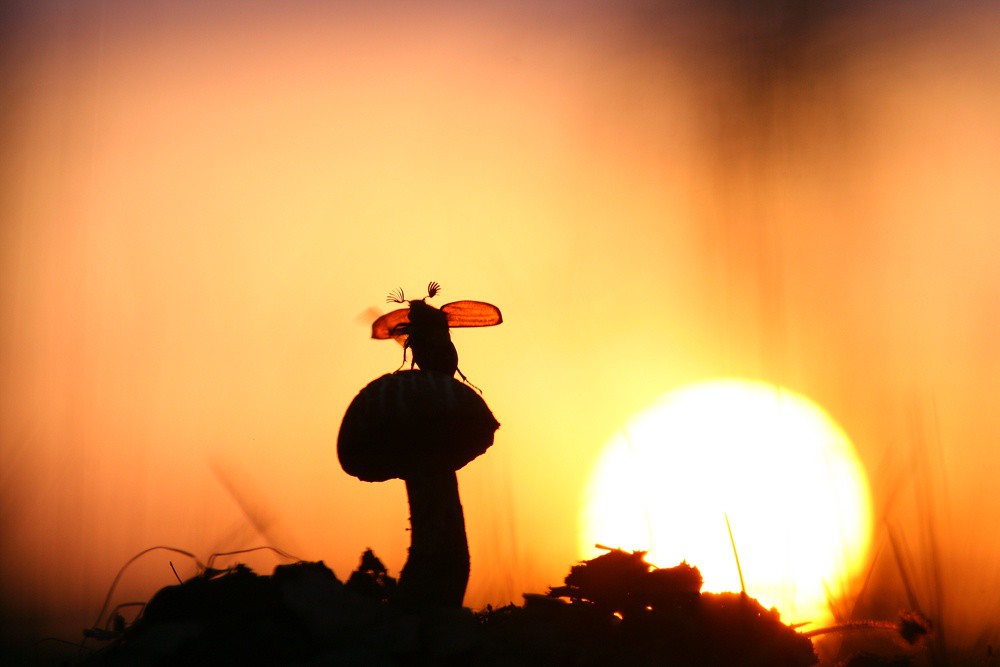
x: 613, y: 610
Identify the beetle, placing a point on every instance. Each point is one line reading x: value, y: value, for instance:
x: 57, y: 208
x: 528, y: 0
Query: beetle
x: 424, y: 329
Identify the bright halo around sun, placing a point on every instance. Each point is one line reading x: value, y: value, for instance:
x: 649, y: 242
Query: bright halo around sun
x: 772, y: 461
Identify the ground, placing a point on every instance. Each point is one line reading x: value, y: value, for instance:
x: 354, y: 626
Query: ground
x: 612, y: 610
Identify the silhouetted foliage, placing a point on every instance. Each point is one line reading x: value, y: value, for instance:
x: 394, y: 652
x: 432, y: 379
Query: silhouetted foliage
x: 913, y: 627
x: 624, y: 582
x: 371, y: 579
x: 612, y: 610
x: 873, y: 660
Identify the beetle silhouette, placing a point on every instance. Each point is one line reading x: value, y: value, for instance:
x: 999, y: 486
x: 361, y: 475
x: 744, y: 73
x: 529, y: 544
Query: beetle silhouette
x: 425, y: 329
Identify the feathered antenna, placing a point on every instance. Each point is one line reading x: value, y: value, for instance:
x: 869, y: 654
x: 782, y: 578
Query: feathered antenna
x: 396, y: 296
x: 432, y: 289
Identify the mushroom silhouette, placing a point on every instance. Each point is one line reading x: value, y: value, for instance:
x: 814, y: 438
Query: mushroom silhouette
x: 421, y: 427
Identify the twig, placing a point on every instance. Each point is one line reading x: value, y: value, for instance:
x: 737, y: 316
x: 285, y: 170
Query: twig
x: 283, y: 554
x: 853, y: 626
x: 114, y: 584
x: 743, y: 588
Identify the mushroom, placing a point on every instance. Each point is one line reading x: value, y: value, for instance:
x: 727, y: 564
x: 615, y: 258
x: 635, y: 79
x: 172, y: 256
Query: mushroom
x: 421, y: 427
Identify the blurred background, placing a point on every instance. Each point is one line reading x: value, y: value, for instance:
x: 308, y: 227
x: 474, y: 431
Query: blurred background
x: 202, y: 202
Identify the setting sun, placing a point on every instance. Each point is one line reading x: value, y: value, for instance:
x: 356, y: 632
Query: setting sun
x: 771, y: 461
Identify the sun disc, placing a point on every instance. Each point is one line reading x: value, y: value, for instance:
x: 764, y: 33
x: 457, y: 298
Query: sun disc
x: 770, y: 461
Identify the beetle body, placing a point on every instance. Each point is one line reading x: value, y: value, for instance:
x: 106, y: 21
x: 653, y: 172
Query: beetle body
x: 425, y: 330
x: 429, y: 339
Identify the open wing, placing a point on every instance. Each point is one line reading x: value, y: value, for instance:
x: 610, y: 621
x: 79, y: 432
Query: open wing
x: 392, y: 325
x: 471, y: 314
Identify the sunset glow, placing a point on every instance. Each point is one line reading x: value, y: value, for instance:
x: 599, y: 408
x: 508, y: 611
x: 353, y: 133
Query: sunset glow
x: 202, y: 204
x: 773, y: 462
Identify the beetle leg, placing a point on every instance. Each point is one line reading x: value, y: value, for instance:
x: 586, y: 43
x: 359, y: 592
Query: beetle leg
x: 466, y: 380
x: 413, y: 360
x: 405, y: 345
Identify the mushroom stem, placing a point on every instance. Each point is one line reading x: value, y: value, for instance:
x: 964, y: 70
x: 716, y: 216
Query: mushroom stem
x: 437, y: 569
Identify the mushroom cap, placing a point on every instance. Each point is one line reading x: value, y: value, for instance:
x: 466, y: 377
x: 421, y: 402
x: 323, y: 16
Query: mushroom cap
x: 408, y: 422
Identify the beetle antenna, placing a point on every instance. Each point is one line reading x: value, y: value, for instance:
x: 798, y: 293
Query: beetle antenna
x: 396, y: 296
x: 432, y: 289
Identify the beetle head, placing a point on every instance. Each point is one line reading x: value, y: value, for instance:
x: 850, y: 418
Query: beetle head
x: 397, y: 296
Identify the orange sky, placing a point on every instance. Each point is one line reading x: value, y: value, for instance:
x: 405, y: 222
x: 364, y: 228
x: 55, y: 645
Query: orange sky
x: 199, y: 205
